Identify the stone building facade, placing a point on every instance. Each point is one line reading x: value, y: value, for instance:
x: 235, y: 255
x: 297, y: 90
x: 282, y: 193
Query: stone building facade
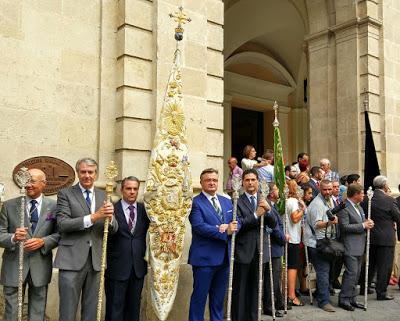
x: 87, y: 78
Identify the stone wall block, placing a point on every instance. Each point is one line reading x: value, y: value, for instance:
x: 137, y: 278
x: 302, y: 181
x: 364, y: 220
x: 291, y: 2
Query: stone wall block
x: 138, y: 13
x: 215, y: 89
x: 194, y: 83
x: 215, y: 116
x: 215, y: 63
x: 138, y: 43
x: 215, y: 11
x: 134, y: 102
x: 133, y: 134
x: 196, y: 56
x: 135, y: 72
x: 133, y: 162
x: 215, y: 36
x: 215, y: 141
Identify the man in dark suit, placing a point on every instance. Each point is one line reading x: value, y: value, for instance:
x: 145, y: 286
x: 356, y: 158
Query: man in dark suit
x: 126, y: 267
x: 39, y: 236
x: 316, y: 176
x: 278, y: 241
x: 384, y: 213
x: 209, y: 254
x: 245, y: 282
x: 352, y: 224
x: 81, y: 210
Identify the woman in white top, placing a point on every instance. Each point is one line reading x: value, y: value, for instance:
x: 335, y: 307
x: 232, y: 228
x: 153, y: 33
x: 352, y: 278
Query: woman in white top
x: 249, y: 158
x: 294, y: 212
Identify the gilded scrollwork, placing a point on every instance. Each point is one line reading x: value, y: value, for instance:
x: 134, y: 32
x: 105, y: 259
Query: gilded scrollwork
x: 168, y: 195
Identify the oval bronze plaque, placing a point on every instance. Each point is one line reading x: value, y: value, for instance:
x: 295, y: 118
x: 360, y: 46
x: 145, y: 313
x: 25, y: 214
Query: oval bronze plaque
x: 59, y: 174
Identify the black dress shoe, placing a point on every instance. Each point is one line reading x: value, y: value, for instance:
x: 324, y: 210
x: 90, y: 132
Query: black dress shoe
x: 278, y: 314
x: 346, y: 306
x: 357, y: 305
x: 384, y: 297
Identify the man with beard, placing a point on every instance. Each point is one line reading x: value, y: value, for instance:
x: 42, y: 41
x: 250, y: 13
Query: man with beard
x: 316, y: 224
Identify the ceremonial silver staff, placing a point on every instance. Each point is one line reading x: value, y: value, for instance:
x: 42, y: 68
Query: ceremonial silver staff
x: 22, y: 177
x: 264, y: 188
x: 370, y: 193
x: 236, y: 184
x: 111, y: 173
x: 285, y: 279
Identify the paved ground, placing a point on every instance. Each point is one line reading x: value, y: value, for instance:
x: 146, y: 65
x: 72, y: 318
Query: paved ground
x: 377, y: 310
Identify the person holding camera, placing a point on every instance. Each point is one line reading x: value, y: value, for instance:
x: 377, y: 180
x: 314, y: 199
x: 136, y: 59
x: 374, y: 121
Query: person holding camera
x: 317, y: 223
x: 353, y: 226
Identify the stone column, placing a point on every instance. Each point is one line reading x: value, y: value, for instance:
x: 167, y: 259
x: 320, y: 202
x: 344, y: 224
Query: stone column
x: 135, y: 87
x: 322, y: 104
x: 227, y: 105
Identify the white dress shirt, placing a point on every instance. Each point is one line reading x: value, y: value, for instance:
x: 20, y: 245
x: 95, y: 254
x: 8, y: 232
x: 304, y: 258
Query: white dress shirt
x: 87, y: 222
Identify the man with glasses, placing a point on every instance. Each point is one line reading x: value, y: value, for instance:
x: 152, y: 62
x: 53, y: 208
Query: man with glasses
x: 39, y: 237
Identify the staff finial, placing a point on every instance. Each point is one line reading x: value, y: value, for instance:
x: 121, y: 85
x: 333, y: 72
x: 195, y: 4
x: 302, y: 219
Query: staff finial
x: 181, y: 18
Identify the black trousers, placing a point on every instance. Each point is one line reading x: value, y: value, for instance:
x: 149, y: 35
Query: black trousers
x: 123, y: 298
x: 381, y: 259
x: 245, y: 291
x: 267, y: 297
x: 381, y: 265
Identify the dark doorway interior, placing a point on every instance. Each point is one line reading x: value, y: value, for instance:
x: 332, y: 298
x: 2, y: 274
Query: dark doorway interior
x: 247, y: 129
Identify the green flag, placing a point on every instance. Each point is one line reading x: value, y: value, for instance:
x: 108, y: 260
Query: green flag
x: 279, y: 170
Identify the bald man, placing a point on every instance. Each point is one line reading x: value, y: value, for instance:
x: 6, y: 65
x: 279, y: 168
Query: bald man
x: 234, y: 170
x: 39, y: 237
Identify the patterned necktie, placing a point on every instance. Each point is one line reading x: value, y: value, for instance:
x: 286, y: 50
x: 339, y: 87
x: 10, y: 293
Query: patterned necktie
x: 34, y: 215
x: 253, y: 203
x: 131, y: 217
x: 88, y: 200
x: 217, y: 209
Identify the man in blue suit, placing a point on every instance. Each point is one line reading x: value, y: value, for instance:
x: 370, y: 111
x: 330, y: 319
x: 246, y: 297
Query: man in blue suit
x: 212, y: 225
x: 126, y: 267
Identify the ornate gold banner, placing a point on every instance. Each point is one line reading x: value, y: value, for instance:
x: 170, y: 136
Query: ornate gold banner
x: 168, y: 191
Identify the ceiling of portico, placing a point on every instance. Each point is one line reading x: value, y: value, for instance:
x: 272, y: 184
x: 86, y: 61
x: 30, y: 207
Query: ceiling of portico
x: 274, y: 27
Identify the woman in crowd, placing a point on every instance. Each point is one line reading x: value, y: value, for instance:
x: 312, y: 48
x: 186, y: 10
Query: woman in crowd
x: 294, y: 212
x: 249, y: 158
x: 304, y: 176
x: 307, y: 198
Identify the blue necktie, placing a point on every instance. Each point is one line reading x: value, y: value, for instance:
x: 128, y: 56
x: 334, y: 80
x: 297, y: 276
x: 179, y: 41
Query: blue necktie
x: 88, y: 200
x: 253, y: 203
x: 34, y: 215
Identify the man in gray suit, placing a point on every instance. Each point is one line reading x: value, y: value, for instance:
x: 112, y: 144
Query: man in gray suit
x: 81, y: 210
x: 352, y: 225
x: 39, y: 237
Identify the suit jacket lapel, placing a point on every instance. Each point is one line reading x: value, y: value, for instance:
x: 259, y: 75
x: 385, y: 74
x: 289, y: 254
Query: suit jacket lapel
x: 247, y: 202
x: 207, y: 203
x: 97, y: 194
x: 354, y: 213
x: 76, y: 190
x: 120, y: 216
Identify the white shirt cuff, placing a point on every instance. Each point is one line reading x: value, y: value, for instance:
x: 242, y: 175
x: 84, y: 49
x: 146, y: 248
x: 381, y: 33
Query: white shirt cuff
x: 255, y: 215
x: 87, y: 222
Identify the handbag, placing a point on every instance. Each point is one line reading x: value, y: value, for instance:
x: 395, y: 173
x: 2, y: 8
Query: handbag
x: 329, y: 248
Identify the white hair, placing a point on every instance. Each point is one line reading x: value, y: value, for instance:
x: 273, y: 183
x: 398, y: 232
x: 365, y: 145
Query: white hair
x: 380, y: 181
x: 324, y: 161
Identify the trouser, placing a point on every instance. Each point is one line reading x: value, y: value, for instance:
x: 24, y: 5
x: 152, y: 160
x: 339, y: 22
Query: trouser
x: 71, y: 284
x: 267, y: 297
x: 37, y: 297
x: 123, y: 298
x: 381, y: 260
x: 322, y: 268
x: 208, y: 281
x: 350, y: 278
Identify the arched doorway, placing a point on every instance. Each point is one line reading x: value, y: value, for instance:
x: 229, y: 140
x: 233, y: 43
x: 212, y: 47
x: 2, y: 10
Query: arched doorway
x: 265, y: 60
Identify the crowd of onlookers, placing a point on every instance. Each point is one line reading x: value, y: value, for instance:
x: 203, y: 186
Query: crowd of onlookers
x: 322, y: 204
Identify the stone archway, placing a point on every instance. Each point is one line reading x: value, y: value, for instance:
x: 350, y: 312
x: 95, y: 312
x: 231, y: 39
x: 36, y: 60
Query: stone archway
x: 265, y: 60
